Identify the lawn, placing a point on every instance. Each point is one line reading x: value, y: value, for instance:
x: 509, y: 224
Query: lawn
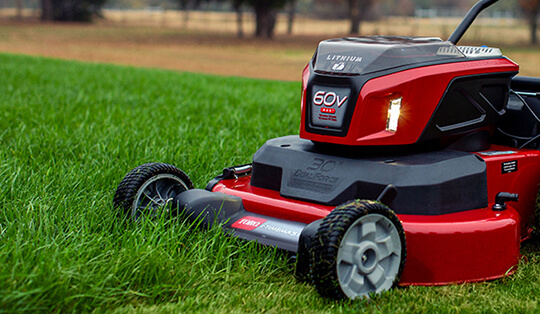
x: 70, y: 131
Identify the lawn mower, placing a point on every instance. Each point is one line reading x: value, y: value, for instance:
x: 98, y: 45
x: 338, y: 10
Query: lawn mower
x: 417, y: 163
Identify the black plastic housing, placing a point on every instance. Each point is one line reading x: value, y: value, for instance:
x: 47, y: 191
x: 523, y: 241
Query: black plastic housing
x: 520, y: 125
x: 427, y: 183
x: 469, y: 103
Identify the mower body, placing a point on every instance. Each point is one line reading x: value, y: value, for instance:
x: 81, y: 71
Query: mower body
x: 444, y: 199
x: 439, y: 166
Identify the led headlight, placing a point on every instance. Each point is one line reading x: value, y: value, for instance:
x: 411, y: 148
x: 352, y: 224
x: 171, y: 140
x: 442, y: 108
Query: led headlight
x: 393, y: 114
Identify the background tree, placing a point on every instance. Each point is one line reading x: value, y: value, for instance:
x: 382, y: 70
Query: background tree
x: 71, y: 10
x: 187, y: 5
x: 355, y: 10
x: 291, y: 12
x: 237, y: 7
x: 19, y: 8
x: 358, y: 11
x: 265, y: 15
x: 530, y: 9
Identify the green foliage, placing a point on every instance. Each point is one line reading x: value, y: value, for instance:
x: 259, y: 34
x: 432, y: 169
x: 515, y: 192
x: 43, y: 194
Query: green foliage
x: 70, y: 132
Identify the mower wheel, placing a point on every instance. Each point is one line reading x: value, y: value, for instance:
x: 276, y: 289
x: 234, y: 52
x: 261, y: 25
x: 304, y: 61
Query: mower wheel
x: 359, y: 249
x: 147, y: 189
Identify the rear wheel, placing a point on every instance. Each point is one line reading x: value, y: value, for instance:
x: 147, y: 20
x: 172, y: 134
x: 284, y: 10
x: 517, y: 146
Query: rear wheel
x: 359, y: 249
x: 536, y: 218
x: 148, y: 189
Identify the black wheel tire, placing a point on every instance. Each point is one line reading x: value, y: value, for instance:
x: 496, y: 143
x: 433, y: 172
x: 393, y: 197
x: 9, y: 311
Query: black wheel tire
x: 536, y: 218
x: 148, y: 188
x: 359, y: 249
x: 304, y: 257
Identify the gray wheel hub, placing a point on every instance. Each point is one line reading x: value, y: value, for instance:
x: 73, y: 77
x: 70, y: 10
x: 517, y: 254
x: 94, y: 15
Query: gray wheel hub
x: 369, y: 256
x: 155, y: 193
x: 366, y: 257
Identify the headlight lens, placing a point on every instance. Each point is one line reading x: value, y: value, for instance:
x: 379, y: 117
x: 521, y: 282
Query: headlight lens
x: 393, y: 114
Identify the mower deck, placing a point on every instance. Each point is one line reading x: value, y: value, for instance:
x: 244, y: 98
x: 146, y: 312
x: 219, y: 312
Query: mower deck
x: 459, y: 245
x: 474, y: 245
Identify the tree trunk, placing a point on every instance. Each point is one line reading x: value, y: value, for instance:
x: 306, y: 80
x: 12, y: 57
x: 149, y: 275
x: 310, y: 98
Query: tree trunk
x: 185, y: 6
x: 530, y: 9
x: 47, y: 13
x: 354, y: 9
x: 359, y: 10
x: 533, y: 25
x: 239, y: 19
x: 19, y: 6
x: 265, y: 16
x: 290, y: 16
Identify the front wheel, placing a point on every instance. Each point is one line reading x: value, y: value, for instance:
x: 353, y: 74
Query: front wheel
x: 147, y: 189
x: 359, y: 249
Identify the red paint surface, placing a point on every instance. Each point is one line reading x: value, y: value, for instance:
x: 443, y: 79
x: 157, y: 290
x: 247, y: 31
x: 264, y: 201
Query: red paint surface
x: 473, y: 245
x: 468, y: 246
x: 523, y: 182
x: 421, y: 90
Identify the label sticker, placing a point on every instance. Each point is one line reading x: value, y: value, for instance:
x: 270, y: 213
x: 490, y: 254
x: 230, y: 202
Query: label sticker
x: 328, y: 105
x: 498, y: 153
x: 248, y: 223
x: 509, y: 166
x: 281, y: 230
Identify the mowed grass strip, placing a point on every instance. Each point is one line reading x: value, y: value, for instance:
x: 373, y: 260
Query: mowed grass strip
x: 70, y: 131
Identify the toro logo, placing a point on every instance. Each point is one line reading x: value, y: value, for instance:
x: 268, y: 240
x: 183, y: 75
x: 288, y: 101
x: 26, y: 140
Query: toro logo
x: 329, y: 99
x: 248, y: 223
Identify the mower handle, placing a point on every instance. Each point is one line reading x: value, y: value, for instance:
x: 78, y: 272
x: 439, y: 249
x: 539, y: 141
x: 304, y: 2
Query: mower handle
x: 468, y: 19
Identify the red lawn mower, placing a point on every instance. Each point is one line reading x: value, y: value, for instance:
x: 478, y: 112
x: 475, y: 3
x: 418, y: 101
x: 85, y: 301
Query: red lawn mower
x: 417, y: 163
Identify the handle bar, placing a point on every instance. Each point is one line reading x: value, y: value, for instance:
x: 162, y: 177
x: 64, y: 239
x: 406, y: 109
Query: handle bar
x: 468, y: 19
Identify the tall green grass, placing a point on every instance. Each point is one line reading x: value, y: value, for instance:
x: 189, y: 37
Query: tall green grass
x: 68, y: 134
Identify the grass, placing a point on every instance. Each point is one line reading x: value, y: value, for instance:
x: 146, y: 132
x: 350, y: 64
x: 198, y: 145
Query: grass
x: 70, y: 131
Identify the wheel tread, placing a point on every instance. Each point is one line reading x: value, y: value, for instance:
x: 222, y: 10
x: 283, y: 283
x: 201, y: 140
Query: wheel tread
x: 130, y: 184
x: 327, y: 242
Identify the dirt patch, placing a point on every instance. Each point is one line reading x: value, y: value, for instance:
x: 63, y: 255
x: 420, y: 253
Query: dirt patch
x: 208, y: 43
x: 161, y: 48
